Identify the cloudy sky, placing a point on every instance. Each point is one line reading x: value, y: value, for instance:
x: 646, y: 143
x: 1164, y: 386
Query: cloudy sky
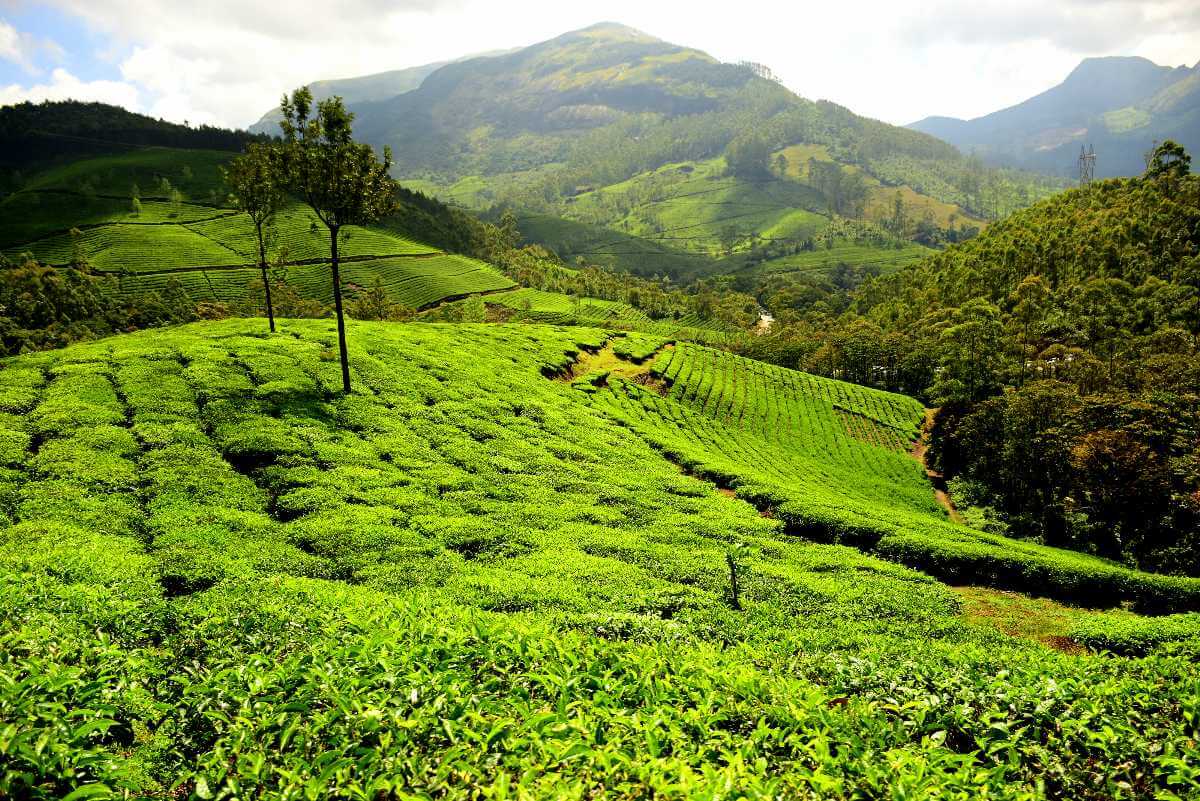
x: 227, y: 61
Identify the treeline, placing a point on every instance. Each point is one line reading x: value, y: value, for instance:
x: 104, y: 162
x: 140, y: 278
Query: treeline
x: 44, y: 307
x: 1063, y: 347
x: 74, y: 123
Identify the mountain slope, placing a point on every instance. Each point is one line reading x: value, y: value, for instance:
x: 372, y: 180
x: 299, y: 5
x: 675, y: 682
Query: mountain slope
x: 379, y: 86
x: 606, y: 109
x: 241, y: 582
x: 1120, y: 105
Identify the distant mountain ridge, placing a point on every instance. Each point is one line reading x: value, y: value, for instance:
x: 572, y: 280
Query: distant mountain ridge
x: 1120, y: 105
x: 364, y: 88
x: 378, y: 86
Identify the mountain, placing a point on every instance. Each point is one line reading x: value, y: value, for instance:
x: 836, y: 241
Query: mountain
x: 365, y: 88
x: 1120, y: 105
x: 379, y: 86
x: 608, y: 126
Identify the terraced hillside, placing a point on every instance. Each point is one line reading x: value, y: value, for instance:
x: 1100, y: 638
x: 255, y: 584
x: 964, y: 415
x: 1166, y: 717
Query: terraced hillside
x: 179, y: 229
x: 221, y: 578
x: 831, y: 461
x: 535, y: 305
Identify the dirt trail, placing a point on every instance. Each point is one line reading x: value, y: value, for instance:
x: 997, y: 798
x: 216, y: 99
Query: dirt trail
x: 918, y: 452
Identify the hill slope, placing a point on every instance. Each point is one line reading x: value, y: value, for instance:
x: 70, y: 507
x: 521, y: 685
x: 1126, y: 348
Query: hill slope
x: 182, y: 230
x: 605, y: 109
x: 35, y: 135
x: 241, y: 582
x: 1057, y: 343
x: 1119, y: 105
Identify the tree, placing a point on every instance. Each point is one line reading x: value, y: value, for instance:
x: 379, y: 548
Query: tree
x: 1168, y: 160
x: 1125, y: 488
x: 341, y: 180
x: 970, y: 348
x: 749, y: 156
x: 729, y: 237
x: 1030, y: 302
x: 254, y: 189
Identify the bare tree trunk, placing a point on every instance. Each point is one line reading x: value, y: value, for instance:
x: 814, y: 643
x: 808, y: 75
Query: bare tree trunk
x: 262, y: 263
x: 733, y: 582
x: 337, y: 305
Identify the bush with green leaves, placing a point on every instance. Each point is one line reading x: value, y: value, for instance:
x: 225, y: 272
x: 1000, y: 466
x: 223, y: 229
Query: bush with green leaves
x: 222, y: 578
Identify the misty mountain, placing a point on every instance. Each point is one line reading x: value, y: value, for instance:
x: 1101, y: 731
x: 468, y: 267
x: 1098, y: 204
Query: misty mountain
x: 379, y: 86
x: 364, y: 88
x: 1119, y: 105
x: 599, y: 105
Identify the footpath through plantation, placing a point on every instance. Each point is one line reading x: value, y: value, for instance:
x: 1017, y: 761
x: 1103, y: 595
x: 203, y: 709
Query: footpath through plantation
x: 496, y: 570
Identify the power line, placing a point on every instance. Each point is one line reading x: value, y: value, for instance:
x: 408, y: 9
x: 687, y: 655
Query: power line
x: 1087, y: 165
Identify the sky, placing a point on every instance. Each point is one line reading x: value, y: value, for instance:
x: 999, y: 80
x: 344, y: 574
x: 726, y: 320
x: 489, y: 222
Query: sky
x: 226, y: 62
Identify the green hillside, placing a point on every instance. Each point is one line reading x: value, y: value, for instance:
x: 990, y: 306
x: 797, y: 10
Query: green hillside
x: 540, y: 306
x: 182, y: 230
x: 496, y: 571
x: 620, y: 131
x: 34, y: 136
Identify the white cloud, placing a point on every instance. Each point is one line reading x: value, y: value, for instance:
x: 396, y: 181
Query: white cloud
x: 10, y: 44
x: 65, y: 86
x: 24, y: 50
x: 228, y: 61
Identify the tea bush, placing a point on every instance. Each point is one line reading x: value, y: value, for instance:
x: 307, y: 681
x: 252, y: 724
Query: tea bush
x: 829, y: 460
x: 222, y: 578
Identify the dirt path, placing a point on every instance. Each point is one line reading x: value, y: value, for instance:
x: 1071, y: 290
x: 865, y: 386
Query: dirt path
x: 919, y: 449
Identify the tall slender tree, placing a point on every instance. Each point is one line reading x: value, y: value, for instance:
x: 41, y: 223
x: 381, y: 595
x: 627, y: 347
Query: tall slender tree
x: 343, y: 181
x: 254, y: 188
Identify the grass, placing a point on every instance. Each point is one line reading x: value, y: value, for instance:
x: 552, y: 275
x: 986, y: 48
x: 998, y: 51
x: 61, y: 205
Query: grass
x: 597, y: 244
x: 220, y: 575
x: 687, y: 205
x: 1037, y: 619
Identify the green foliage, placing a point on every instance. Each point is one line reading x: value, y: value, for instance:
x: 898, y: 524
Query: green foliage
x: 761, y: 439
x: 340, y: 179
x: 749, y: 157
x: 255, y: 190
x: 1130, y: 635
x: 144, y: 252
x: 243, y: 582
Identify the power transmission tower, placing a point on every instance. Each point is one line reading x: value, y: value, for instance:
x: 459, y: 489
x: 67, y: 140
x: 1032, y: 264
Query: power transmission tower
x: 1087, y: 165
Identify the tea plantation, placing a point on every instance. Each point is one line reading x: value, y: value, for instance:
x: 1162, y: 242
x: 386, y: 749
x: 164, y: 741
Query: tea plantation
x: 535, y: 305
x: 502, y: 569
x: 180, y: 229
